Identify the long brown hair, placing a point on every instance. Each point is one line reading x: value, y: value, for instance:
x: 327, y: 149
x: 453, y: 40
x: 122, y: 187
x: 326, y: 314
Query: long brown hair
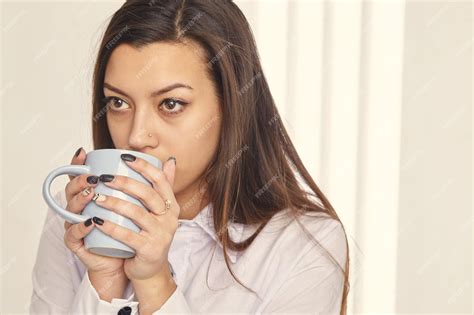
x: 252, y: 175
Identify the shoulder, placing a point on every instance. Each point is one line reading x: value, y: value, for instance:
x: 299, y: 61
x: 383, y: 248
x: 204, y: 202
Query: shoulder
x: 288, y: 248
x: 309, y: 236
x: 328, y: 232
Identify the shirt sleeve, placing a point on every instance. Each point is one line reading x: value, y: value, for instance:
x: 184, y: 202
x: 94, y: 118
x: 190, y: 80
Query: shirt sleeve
x: 176, y: 304
x: 87, y: 301
x: 315, y: 284
x: 54, y: 291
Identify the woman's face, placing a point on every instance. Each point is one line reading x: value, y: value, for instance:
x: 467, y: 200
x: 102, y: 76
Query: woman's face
x: 162, y: 89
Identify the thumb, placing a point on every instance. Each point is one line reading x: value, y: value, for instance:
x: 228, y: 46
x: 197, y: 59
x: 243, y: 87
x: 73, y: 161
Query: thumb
x: 169, y: 168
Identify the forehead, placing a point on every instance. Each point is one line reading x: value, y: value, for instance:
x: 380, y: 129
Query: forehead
x: 157, y: 63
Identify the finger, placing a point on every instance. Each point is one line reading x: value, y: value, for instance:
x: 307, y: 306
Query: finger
x: 78, y: 159
x: 153, y: 174
x: 157, y: 177
x: 137, y: 214
x: 148, y: 196
x: 170, y: 169
x: 79, y: 183
x: 120, y: 233
x: 79, y: 202
x: 75, y: 234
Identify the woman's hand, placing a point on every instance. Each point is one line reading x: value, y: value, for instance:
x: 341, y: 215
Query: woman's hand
x: 157, y: 224
x: 79, y: 191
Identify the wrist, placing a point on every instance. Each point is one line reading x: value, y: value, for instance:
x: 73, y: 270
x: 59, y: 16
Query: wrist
x: 162, y: 277
x: 108, y: 273
x: 158, y: 281
x: 108, y: 285
x: 152, y: 293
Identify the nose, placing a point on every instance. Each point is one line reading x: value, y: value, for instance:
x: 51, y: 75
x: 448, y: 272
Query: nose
x: 143, y: 132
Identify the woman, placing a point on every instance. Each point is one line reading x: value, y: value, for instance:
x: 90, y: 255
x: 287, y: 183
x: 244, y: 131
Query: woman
x: 234, y: 222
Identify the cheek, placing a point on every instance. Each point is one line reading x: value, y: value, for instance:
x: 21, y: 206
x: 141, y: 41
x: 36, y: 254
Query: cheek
x: 196, y: 148
x: 119, y: 130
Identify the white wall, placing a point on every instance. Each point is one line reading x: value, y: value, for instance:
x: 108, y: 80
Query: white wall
x: 434, y: 262
x: 46, y: 64
x: 377, y: 97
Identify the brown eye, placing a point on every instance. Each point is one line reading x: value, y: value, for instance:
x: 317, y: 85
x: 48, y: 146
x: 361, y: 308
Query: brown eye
x: 172, y: 106
x: 115, y: 103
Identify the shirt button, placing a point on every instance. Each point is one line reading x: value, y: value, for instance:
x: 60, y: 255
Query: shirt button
x: 126, y: 310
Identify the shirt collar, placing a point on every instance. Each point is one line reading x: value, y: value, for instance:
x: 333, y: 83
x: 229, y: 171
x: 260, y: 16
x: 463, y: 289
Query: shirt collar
x: 204, y: 219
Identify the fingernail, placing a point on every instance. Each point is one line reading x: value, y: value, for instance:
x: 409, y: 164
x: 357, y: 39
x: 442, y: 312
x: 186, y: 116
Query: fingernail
x: 106, y: 178
x: 128, y: 157
x: 172, y: 158
x: 77, y: 152
x: 92, y: 179
x: 97, y: 220
x: 86, y: 191
x: 88, y: 222
x: 98, y: 197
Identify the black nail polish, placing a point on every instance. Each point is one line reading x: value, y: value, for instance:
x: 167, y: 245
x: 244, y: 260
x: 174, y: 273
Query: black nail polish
x: 98, y: 220
x: 106, y: 178
x: 92, y: 179
x: 88, y: 222
x: 77, y: 152
x: 172, y: 158
x: 128, y: 157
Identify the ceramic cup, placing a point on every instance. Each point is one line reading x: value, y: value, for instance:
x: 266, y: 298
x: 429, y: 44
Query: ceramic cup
x: 102, y: 161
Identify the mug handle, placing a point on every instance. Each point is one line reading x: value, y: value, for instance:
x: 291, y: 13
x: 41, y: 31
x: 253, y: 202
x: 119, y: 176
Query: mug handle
x: 63, y: 170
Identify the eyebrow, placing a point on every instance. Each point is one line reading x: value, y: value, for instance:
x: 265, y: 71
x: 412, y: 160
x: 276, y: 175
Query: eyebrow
x: 154, y: 93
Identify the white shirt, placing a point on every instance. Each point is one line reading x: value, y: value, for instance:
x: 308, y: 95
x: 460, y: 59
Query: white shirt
x: 289, y: 272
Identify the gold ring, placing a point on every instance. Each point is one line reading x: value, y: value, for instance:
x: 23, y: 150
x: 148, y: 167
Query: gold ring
x: 167, y: 207
x: 86, y: 191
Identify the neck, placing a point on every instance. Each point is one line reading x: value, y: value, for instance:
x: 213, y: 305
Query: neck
x: 190, y: 199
